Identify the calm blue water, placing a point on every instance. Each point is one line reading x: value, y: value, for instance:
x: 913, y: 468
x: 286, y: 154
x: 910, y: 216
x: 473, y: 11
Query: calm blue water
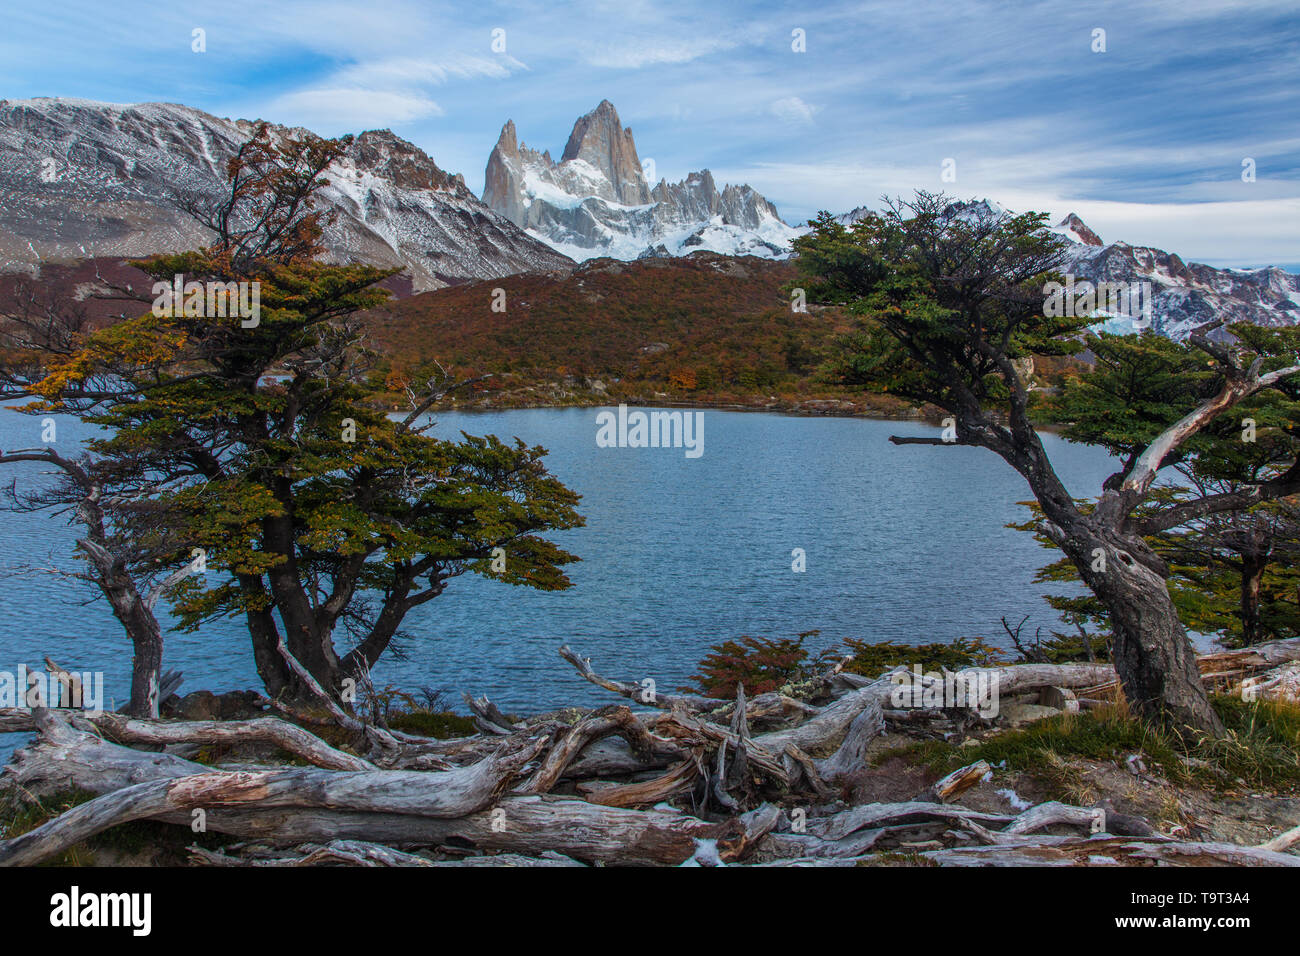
x: 903, y: 544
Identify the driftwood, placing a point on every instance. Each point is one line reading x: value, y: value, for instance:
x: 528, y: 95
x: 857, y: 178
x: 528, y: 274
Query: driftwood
x: 1283, y: 841
x: 648, y: 792
x: 611, y: 720
x: 267, y: 730
x: 959, y: 781
x: 527, y: 825
x: 454, y: 793
x: 360, y: 853
x: 599, y: 788
x: 635, y: 691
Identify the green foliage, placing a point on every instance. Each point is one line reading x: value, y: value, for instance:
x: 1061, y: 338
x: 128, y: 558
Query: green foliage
x: 441, y: 724
x: 871, y: 660
x: 1138, y: 387
x: 938, y: 296
x: 1261, y: 749
x: 262, y: 446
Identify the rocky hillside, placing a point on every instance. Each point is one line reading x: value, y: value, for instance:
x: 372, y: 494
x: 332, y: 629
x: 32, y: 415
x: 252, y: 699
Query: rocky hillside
x: 80, y: 179
x: 596, y: 200
x: 1184, y: 294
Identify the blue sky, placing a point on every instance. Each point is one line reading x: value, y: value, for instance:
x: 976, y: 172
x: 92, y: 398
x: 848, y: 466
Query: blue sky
x: 1145, y: 141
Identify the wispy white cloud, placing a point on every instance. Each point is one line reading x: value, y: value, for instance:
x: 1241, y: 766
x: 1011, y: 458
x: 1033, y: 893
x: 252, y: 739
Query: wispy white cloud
x: 792, y: 110
x: 416, y: 71
x: 332, y: 111
x: 634, y: 53
x: 1145, y: 141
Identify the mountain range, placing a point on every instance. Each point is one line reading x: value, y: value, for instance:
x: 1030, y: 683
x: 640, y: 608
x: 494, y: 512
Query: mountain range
x: 596, y: 200
x: 1184, y: 295
x: 82, y: 180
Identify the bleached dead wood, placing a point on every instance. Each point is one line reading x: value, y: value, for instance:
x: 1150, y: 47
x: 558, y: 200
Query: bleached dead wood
x: 797, y: 845
x: 259, y: 730
x: 851, y: 755
x: 881, y: 814
x: 1048, y: 814
x: 832, y: 722
x: 1283, y: 841
x: 64, y: 758
x: 959, y: 781
x: 488, y: 717
x: 527, y: 825
x: 426, y: 795
x: 266, y: 730
x: 1179, y: 853
x: 611, y: 757
x: 334, y: 853
x: 685, y: 728
x: 346, y: 798
x: 648, y: 792
x: 360, y: 853
x: 634, y: 691
x: 616, y: 719
x: 771, y: 706
x: 799, y: 765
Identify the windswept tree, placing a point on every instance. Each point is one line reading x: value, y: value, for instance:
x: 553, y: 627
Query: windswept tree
x: 39, y: 327
x: 245, y: 407
x: 1230, y: 571
x: 121, y: 566
x: 952, y: 299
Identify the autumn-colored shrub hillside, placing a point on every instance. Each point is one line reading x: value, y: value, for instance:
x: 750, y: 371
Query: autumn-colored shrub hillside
x: 701, y: 328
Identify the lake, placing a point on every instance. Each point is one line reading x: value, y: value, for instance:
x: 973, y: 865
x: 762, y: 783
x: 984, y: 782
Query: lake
x: 902, y: 544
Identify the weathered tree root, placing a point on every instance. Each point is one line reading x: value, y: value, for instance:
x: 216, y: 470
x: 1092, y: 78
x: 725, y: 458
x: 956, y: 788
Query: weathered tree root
x: 493, y: 799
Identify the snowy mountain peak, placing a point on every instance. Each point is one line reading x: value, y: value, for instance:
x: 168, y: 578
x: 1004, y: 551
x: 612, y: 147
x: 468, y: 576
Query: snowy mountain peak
x: 82, y: 179
x: 600, y: 140
x: 596, y: 201
x: 1073, y: 228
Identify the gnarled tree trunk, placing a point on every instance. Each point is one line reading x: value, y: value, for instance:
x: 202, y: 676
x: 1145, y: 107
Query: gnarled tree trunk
x: 1152, y: 655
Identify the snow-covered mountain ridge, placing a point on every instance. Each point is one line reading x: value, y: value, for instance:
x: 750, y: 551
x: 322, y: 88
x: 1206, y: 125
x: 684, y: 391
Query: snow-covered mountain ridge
x: 81, y: 179
x: 596, y: 201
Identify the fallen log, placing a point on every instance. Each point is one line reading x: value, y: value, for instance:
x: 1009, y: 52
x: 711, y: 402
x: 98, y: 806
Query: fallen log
x: 1048, y: 814
x: 851, y: 755
x: 616, y: 719
x: 360, y: 853
x: 679, y: 779
x: 259, y: 730
x: 832, y: 723
x: 689, y: 730
x: 526, y: 825
x: 266, y: 730
x: 879, y: 814
x: 452, y: 793
x: 1283, y: 841
x: 1112, y: 850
